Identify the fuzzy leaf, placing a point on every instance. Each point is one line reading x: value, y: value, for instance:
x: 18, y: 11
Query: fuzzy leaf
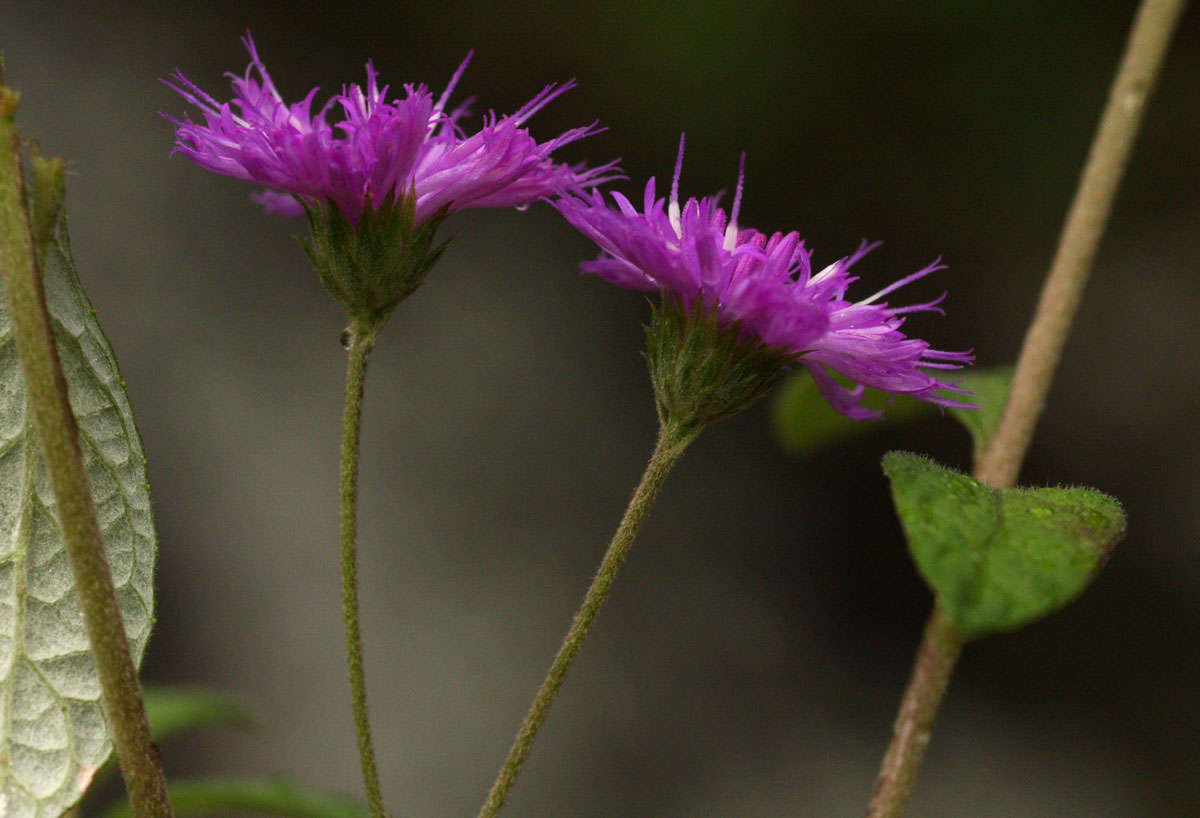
x: 53, y: 735
x: 271, y: 796
x: 998, y: 559
x: 990, y: 388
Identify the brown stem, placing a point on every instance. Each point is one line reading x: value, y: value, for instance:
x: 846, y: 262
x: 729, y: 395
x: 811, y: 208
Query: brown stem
x: 1059, y: 302
x: 999, y: 464
x: 935, y: 661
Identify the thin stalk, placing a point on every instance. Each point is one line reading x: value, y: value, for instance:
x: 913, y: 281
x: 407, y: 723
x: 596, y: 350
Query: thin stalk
x: 362, y: 340
x: 120, y: 690
x: 931, y: 671
x: 673, y: 439
x: 1041, y: 351
x: 1087, y: 218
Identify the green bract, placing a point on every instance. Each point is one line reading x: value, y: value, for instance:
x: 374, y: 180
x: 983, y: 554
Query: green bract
x: 53, y: 735
x: 702, y: 371
x: 998, y: 559
x: 374, y: 264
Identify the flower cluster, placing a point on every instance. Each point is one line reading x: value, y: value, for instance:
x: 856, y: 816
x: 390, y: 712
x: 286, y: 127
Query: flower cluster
x: 379, y: 151
x: 764, y: 288
x: 376, y: 183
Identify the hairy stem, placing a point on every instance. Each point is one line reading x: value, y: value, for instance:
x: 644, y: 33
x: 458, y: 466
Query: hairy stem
x: 120, y: 689
x: 914, y: 723
x: 999, y: 464
x: 362, y: 340
x: 673, y: 439
x: 1042, y: 348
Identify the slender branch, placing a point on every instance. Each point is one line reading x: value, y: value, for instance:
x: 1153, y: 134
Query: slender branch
x: 1109, y: 155
x: 362, y: 339
x: 931, y: 671
x: 673, y: 439
x: 1041, y: 351
x: 120, y: 690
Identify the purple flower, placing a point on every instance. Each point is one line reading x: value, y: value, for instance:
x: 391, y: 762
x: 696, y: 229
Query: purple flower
x: 765, y: 288
x: 378, y: 151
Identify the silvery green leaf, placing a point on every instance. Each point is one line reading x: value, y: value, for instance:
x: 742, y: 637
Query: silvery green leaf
x: 53, y: 735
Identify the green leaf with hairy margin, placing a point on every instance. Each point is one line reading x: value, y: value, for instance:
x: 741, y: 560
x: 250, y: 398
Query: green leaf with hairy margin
x: 270, y: 796
x: 53, y: 735
x: 805, y: 423
x: 173, y: 710
x: 998, y: 559
x: 990, y: 388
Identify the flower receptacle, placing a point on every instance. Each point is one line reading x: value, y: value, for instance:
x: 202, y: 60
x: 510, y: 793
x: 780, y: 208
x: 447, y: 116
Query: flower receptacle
x: 703, y: 370
x: 373, y: 264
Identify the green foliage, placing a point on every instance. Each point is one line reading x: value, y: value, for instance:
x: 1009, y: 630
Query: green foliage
x: 998, y: 559
x: 805, y: 423
x: 173, y: 710
x: 703, y: 371
x: 53, y: 735
x: 266, y: 796
x: 990, y: 388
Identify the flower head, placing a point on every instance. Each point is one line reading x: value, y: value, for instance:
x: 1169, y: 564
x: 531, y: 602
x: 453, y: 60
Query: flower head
x: 379, y: 149
x: 377, y: 182
x: 764, y: 289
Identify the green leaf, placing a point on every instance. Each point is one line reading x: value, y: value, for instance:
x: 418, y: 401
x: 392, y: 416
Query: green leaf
x: 991, y: 391
x: 805, y: 423
x: 53, y: 735
x: 176, y: 709
x: 173, y: 710
x: 998, y: 559
x: 271, y: 796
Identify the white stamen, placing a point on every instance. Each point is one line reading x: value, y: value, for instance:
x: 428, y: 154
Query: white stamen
x: 673, y: 202
x: 673, y: 217
x: 731, y: 231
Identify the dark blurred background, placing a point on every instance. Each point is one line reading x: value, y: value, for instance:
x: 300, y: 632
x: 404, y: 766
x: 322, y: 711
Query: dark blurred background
x: 751, y: 658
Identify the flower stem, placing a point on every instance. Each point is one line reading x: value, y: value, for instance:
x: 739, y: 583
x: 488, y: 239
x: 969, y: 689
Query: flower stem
x: 362, y: 339
x: 673, y: 439
x: 1042, y: 348
x: 999, y: 464
x: 120, y: 690
x: 914, y: 723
